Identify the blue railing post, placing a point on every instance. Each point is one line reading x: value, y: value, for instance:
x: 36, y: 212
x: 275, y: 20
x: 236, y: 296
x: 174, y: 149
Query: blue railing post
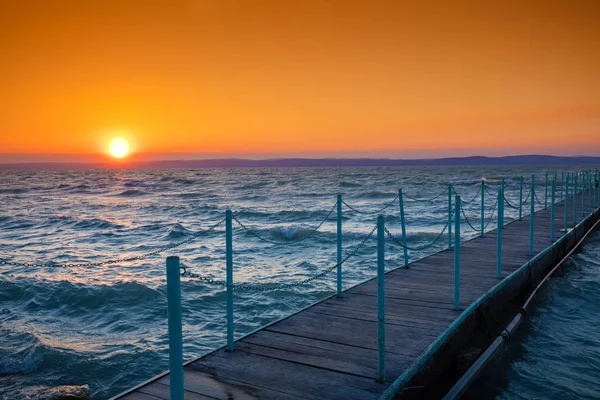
x: 590, y: 190
x: 339, y: 245
x: 229, y: 277
x: 499, y: 231
x: 532, y: 216
x: 482, y: 207
x: 583, y: 183
x: 562, y: 185
x: 449, y: 216
x: 403, y: 223
x: 175, y: 335
x: 575, y: 189
x: 566, y: 205
x: 380, y: 299
x: 521, y: 199
x: 457, y: 254
x: 552, y: 216
x: 546, y: 193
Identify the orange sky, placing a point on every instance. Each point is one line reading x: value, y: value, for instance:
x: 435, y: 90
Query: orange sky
x: 300, y: 77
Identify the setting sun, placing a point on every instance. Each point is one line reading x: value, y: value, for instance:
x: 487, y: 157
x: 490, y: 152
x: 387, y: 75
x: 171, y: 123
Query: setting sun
x: 119, y: 147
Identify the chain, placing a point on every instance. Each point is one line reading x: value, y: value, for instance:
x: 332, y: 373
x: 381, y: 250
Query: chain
x: 467, y: 219
x: 510, y: 205
x: 399, y: 243
x: 278, y: 243
x: 371, y: 212
x: 122, y: 260
x: 470, y: 201
x: 267, y: 287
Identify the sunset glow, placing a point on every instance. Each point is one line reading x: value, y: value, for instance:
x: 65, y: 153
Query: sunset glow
x: 302, y: 78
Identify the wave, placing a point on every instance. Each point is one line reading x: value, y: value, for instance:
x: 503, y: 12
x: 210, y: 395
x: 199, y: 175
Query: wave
x: 14, y: 191
x: 346, y: 184
x: 140, y: 184
x: 178, y: 231
x: 132, y: 193
x: 469, y: 182
x: 97, y: 223
x: 184, y: 181
x: 74, y: 297
x: 23, y: 366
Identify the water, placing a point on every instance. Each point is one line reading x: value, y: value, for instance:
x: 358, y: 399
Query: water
x: 105, y: 326
x: 556, y: 353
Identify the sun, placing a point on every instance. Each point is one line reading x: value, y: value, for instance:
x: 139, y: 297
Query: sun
x: 119, y: 147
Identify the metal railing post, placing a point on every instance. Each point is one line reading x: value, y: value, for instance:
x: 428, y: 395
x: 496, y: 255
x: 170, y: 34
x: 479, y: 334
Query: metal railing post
x: 457, y: 254
x: 499, y: 231
x: 552, y: 216
x: 546, y: 193
x: 590, y: 190
x: 566, y: 205
x: 532, y: 216
x: 521, y: 199
x: 229, y: 277
x: 403, y: 223
x: 339, y: 245
x: 482, y: 208
x: 562, y: 185
x: 575, y: 189
x: 583, y: 188
x: 449, y: 216
x: 174, y: 322
x: 380, y: 299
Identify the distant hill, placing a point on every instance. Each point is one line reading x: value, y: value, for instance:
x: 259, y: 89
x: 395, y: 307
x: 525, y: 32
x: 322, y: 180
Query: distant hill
x: 524, y: 160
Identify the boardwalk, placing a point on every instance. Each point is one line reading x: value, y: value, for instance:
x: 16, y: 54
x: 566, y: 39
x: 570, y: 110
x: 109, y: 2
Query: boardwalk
x: 329, y: 351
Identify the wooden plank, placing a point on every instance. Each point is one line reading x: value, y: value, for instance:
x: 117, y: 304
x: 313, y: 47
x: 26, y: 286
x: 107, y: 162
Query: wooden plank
x: 286, y: 377
x: 162, y: 391
x: 216, y: 386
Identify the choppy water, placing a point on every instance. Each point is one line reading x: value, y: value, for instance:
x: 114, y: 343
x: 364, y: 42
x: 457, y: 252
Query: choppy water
x: 556, y: 353
x: 105, y: 326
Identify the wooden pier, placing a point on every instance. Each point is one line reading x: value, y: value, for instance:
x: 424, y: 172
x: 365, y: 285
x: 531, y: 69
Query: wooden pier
x: 329, y: 350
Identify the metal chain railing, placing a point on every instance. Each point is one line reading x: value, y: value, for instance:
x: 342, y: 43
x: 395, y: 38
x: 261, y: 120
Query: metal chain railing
x: 467, y: 219
x: 509, y: 204
x: 419, y: 248
x: 286, y: 243
x: 388, y: 205
x: 267, y: 287
x: 111, y: 262
x: 469, y: 201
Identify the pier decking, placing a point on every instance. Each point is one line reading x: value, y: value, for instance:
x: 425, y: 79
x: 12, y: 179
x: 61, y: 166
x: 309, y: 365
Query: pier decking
x: 329, y: 350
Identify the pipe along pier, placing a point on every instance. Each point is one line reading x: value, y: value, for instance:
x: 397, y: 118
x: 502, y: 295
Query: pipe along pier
x: 421, y: 330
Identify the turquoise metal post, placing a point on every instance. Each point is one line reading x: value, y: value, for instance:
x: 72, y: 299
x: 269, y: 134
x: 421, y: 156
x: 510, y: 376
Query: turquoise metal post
x: 380, y: 300
x: 590, y: 190
x: 552, y: 216
x: 583, y: 184
x: 566, y: 204
x: 546, y: 193
x: 175, y: 336
x: 339, y: 245
x: 521, y: 199
x: 403, y: 223
x: 229, y: 277
x: 562, y: 185
x: 575, y: 189
x: 449, y: 216
x: 457, y: 254
x: 532, y: 216
x: 500, y: 228
x: 482, y: 208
